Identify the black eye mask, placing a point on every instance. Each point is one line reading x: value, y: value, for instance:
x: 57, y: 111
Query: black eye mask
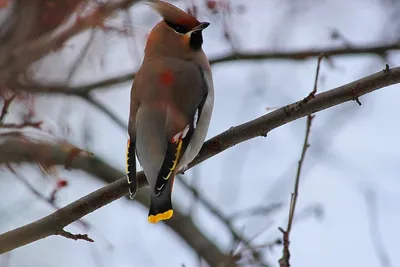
x: 178, y: 28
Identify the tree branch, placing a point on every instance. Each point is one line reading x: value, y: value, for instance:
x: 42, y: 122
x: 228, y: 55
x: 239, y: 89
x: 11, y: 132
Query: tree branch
x: 239, y: 238
x: 264, y: 124
x: 83, y: 90
x: 6, y: 106
x: 285, y: 260
x: 20, y: 57
x: 17, y: 151
x: 309, y: 53
x: 56, y: 221
x: 75, y: 237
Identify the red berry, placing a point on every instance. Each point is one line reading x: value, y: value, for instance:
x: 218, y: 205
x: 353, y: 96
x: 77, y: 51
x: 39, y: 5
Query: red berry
x: 62, y: 183
x: 211, y: 4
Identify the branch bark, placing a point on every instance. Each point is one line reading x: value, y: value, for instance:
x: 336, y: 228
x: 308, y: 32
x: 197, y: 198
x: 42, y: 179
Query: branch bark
x: 50, y: 224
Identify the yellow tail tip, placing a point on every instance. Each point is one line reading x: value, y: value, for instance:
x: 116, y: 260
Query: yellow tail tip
x: 160, y: 216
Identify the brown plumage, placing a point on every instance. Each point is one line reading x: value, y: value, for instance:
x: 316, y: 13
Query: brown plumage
x: 171, y: 104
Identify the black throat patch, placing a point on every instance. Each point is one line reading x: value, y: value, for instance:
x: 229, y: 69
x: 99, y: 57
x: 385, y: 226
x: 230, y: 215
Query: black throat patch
x: 196, y: 40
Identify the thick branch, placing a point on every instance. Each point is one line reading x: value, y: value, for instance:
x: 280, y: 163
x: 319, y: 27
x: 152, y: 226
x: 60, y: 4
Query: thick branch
x: 54, y: 223
x: 262, y: 125
x: 259, y: 127
x: 16, y: 151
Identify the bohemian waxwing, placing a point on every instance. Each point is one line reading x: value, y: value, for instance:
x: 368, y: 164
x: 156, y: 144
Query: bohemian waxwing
x: 172, y: 99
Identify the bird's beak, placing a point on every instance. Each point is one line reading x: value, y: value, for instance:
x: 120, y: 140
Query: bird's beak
x: 201, y: 27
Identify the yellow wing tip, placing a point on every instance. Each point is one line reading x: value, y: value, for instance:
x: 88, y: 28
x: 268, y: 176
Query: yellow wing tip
x: 160, y: 216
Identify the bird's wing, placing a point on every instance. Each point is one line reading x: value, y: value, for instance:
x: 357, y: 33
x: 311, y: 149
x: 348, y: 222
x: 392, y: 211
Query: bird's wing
x: 165, y: 127
x: 131, y: 144
x: 188, y: 97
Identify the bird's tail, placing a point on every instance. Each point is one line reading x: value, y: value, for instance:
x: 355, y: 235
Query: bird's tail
x: 161, y: 205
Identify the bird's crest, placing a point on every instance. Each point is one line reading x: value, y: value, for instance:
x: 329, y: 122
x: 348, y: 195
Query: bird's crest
x: 174, y: 15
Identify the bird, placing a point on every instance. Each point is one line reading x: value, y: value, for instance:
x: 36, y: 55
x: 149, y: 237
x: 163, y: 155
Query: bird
x: 171, y: 104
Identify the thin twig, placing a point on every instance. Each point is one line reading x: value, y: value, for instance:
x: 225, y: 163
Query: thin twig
x: 51, y: 201
x: 314, y: 91
x: 311, y: 95
x: 5, y: 108
x: 337, y: 35
x: 300, y: 166
x: 285, y: 260
x: 74, y: 236
x: 242, y: 252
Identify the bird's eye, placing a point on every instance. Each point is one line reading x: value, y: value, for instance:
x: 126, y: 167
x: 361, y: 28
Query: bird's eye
x: 178, y: 28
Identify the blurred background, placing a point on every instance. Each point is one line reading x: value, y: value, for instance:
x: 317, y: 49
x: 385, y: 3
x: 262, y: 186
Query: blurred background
x: 67, y: 82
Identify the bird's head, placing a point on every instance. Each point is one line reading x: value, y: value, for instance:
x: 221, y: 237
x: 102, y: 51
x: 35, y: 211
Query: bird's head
x: 179, y: 34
